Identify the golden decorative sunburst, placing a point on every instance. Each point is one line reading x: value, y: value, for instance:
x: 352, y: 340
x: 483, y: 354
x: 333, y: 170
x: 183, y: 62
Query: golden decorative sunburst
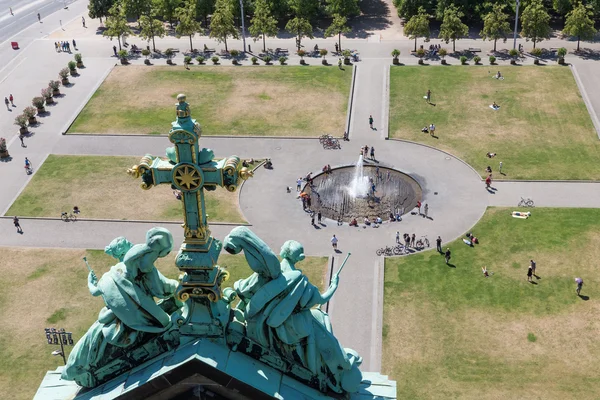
x: 187, y: 177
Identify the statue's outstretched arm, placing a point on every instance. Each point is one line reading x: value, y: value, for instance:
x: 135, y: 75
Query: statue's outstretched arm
x: 93, y: 284
x: 332, y: 288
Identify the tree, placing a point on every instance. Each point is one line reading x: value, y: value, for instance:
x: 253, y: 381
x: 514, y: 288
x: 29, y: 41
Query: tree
x: 136, y: 8
x: 580, y: 23
x: 344, y: 8
x: 188, y: 26
x: 452, y: 27
x: 337, y: 27
x: 263, y: 23
x: 221, y: 23
x: 99, y: 8
x: 151, y: 27
x: 535, y: 22
x: 301, y: 28
x: 562, y: 7
x: 204, y: 8
x: 495, y: 24
x: 166, y: 9
x: 116, y: 23
x: 306, y: 9
x: 417, y: 26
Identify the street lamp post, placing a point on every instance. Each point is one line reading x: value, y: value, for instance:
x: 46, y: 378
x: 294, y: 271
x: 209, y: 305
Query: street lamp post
x: 516, y: 24
x: 59, y: 336
x: 243, y: 24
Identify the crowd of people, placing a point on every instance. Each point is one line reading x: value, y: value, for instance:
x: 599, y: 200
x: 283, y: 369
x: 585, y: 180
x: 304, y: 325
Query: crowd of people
x: 64, y: 46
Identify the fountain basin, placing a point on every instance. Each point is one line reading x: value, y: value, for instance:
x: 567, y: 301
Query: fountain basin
x: 341, y: 193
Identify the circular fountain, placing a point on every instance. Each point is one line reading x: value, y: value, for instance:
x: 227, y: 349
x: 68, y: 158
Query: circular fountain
x: 348, y: 192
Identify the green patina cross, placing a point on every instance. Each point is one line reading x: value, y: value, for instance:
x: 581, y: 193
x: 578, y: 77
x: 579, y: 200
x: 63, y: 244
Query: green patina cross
x: 191, y: 170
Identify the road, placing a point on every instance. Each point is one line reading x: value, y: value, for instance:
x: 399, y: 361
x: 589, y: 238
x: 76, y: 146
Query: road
x: 25, y: 14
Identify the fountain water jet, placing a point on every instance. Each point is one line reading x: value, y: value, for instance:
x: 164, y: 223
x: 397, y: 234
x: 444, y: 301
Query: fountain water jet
x: 359, y: 186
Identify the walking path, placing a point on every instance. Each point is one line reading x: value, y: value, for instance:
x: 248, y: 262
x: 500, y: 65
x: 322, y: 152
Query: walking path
x: 454, y: 192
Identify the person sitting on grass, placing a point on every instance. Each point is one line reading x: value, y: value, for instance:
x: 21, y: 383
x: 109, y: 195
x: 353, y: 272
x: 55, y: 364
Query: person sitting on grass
x: 485, y: 272
x: 177, y: 194
x: 367, y: 221
x: 76, y: 210
x: 378, y: 220
x: 425, y: 129
x: 495, y: 106
x: 488, y: 169
x: 490, y: 155
x: 392, y: 219
x: 499, y: 75
x: 354, y: 222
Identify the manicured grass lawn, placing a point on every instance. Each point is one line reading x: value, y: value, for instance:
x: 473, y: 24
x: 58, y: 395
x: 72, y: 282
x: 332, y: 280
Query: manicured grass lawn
x: 42, y: 288
x: 101, y: 188
x: 258, y: 101
x: 452, y: 333
x: 541, y: 131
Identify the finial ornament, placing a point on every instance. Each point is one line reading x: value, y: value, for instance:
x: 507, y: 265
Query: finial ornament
x: 183, y: 108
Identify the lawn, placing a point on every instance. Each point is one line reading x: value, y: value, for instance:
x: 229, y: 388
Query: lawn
x: 541, y: 131
x: 257, y: 101
x: 450, y: 332
x: 89, y: 181
x: 49, y: 287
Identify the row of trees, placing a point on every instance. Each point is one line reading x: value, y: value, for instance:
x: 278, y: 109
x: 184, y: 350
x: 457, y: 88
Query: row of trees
x: 535, y: 24
x: 191, y: 17
x: 476, y: 10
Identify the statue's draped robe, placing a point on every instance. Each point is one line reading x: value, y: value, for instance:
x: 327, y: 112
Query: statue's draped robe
x: 130, y: 308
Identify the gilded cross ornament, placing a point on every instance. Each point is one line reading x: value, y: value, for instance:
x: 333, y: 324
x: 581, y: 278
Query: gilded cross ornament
x: 193, y: 170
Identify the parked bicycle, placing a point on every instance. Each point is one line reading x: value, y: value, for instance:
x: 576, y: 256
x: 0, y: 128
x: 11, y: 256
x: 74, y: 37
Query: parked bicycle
x: 329, y: 142
x: 65, y: 216
x: 389, y: 251
x: 421, y: 243
x: 528, y: 202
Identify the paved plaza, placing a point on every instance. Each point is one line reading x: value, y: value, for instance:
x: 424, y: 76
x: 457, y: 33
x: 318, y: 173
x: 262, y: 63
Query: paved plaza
x: 454, y: 191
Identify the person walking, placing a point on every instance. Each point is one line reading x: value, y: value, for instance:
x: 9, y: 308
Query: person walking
x: 419, y: 207
x: 337, y: 48
x: 413, y: 239
x: 397, y: 237
x: 39, y: 18
x: 334, y: 242
x: 21, y: 139
x: 579, y: 282
x: 83, y: 21
x: 340, y: 64
x: 438, y: 243
x: 500, y: 167
x: 488, y: 181
x: 7, y: 103
x: 428, y: 96
x: 74, y: 44
x: 319, y: 217
x: 11, y: 98
x: 371, y: 121
x: 11, y: 11
x: 312, y: 219
x: 56, y: 47
x: 372, y: 153
x: 532, y: 265
x: 299, y: 184
x: 426, y: 210
x: 432, y: 130
x: 447, y: 255
x: 115, y: 50
x: 406, y: 240
x: 529, y: 274
x: 17, y: 224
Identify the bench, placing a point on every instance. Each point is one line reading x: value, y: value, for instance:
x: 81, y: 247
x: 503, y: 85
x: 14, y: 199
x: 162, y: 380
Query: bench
x: 281, y: 51
x: 475, y: 49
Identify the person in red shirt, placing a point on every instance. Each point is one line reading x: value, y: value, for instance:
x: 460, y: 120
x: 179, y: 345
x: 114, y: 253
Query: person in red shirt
x: 488, y: 181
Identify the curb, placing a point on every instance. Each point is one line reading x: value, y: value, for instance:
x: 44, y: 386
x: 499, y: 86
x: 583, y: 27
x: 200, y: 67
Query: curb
x: 586, y: 100
x: 26, y: 183
x: 67, y: 126
x: 441, y: 151
x: 377, y: 315
x: 385, y: 112
x: 203, y: 136
x: 351, y: 100
x: 137, y: 221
